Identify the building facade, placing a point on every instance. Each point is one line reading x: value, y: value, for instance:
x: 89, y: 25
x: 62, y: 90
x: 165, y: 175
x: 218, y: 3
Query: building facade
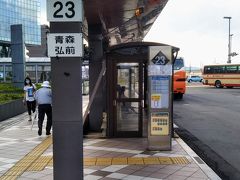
x: 25, y: 12
x: 38, y: 69
x: 40, y: 50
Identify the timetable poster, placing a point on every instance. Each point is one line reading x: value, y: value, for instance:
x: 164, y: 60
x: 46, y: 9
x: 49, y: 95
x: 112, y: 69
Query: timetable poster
x: 160, y: 123
x: 160, y: 92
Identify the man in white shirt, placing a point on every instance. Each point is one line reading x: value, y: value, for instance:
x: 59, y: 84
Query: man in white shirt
x: 44, y: 100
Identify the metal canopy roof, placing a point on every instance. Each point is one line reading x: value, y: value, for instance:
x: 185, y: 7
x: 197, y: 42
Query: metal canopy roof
x: 118, y: 19
x: 137, y: 44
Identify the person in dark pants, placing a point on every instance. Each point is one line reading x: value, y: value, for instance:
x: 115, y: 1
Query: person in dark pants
x: 29, y: 99
x: 44, y: 101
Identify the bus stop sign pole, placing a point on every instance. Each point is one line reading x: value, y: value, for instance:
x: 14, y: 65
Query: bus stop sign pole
x: 65, y: 50
x: 160, y: 98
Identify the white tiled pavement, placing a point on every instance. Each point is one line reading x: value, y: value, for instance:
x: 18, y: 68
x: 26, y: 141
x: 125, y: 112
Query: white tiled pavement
x: 17, y: 140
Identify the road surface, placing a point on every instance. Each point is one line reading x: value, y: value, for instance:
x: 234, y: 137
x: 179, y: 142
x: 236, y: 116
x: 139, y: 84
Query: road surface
x: 209, y: 121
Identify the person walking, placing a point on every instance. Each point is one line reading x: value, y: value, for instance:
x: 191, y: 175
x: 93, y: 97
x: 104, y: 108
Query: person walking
x: 29, y: 89
x: 44, y: 101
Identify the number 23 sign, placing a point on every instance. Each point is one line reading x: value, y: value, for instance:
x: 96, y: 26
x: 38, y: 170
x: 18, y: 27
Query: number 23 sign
x: 64, y: 10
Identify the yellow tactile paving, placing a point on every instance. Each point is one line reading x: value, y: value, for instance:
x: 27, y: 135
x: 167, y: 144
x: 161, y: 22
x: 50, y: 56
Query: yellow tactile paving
x: 37, y: 167
x: 21, y: 166
x: 43, y: 159
x: 14, y: 173
x: 40, y: 163
x: 126, y: 161
x: 50, y: 162
x: 8, y: 177
x: 89, y: 161
x: 103, y: 161
x: 119, y: 161
x: 165, y: 160
x: 33, y: 161
x: 180, y: 160
x: 135, y: 161
x: 151, y: 160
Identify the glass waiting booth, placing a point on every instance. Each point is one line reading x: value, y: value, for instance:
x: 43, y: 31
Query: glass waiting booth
x: 127, y: 89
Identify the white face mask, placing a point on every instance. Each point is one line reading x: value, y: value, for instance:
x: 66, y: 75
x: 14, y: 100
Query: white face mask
x: 27, y: 81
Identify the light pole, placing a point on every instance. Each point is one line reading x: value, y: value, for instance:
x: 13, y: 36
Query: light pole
x: 230, y: 44
x: 229, y: 38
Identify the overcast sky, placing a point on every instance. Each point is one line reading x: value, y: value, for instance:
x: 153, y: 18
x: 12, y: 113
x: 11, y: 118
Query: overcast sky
x: 197, y: 27
x: 43, y: 12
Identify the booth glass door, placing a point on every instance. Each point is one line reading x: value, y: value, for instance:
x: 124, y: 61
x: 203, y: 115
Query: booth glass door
x: 129, y: 98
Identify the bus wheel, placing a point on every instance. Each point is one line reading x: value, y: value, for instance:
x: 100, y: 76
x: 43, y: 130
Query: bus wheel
x: 175, y: 96
x: 180, y: 96
x: 218, y: 84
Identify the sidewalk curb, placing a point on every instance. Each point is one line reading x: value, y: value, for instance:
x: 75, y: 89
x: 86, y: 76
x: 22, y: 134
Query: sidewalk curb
x: 205, y: 168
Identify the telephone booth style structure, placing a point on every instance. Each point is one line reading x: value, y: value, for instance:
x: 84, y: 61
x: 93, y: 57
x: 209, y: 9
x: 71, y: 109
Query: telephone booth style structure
x: 128, y: 93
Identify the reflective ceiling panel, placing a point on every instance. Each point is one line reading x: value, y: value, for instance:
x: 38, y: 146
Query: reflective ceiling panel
x: 119, y: 20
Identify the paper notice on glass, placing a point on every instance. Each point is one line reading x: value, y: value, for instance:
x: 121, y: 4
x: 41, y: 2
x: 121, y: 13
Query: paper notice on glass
x: 162, y: 70
x: 155, y: 100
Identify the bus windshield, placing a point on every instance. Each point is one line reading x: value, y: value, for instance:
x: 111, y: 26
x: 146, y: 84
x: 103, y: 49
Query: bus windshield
x: 178, y: 64
x: 179, y: 79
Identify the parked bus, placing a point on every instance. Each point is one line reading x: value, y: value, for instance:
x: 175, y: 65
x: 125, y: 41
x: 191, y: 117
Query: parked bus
x: 179, y: 79
x: 227, y: 75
